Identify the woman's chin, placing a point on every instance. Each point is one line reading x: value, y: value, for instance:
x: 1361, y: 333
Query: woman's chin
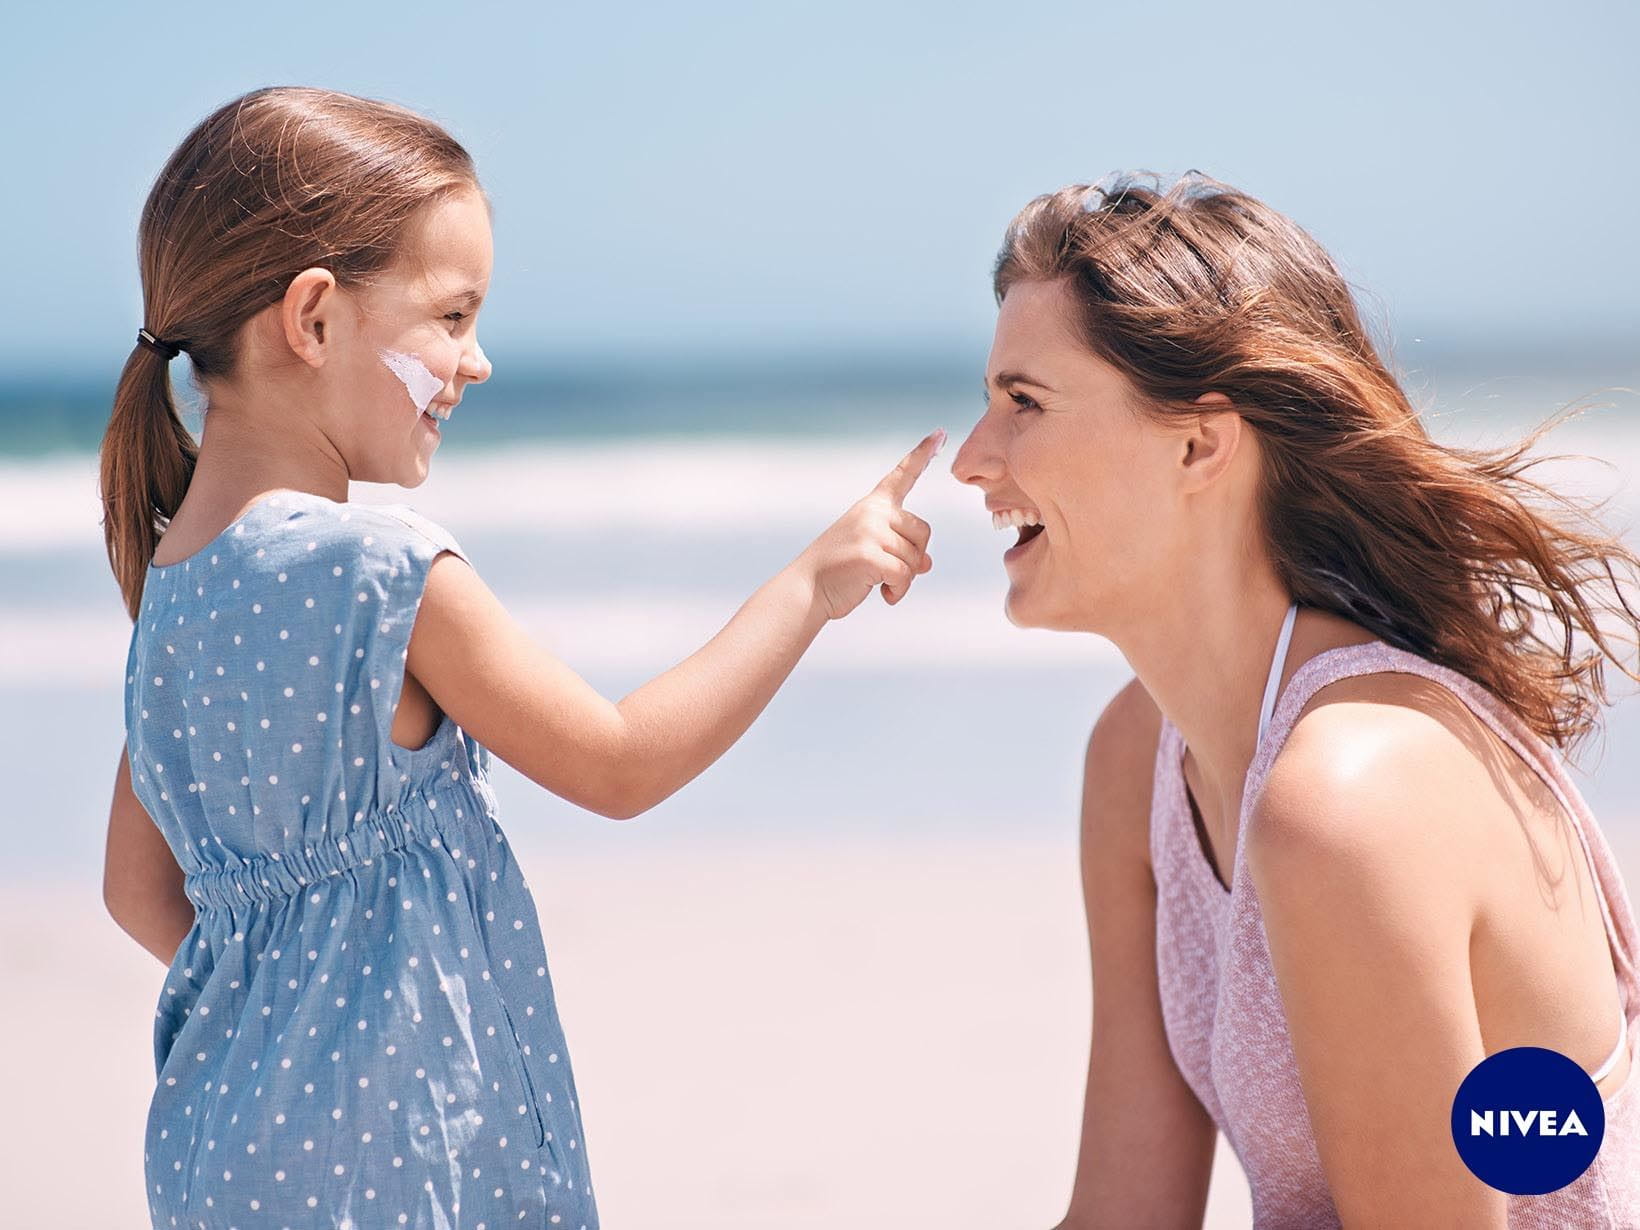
x: 1018, y: 608
x: 1025, y: 610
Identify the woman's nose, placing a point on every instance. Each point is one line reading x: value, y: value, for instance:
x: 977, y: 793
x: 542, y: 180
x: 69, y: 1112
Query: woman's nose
x: 976, y: 461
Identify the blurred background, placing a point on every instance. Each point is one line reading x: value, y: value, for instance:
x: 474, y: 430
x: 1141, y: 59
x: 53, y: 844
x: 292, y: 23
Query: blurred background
x: 742, y: 265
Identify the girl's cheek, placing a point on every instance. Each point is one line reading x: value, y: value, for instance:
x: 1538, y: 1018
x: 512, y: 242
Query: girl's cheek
x: 418, y: 380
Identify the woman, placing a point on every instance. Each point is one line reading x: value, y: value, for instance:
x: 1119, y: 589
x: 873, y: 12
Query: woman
x: 1325, y: 837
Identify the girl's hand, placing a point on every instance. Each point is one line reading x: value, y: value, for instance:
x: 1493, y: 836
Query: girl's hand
x: 532, y: 711
x: 875, y: 543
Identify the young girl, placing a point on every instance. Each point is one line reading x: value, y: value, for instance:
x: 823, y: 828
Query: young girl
x: 357, y: 1026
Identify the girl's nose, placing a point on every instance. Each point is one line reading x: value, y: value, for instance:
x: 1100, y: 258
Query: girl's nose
x: 476, y: 365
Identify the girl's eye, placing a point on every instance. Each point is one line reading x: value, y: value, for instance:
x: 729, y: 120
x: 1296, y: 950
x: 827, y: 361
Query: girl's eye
x: 457, y: 316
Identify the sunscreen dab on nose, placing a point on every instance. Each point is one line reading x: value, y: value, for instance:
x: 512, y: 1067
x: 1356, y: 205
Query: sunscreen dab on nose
x: 420, y: 383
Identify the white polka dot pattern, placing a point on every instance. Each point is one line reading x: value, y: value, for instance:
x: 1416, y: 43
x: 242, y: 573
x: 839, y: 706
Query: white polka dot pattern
x: 360, y: 1028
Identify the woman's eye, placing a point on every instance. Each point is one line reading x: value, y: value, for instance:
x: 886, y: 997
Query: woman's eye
x: 1024, y: 402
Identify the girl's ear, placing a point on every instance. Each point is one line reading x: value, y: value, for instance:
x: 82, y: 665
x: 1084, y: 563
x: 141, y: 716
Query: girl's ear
x: 309, y: 301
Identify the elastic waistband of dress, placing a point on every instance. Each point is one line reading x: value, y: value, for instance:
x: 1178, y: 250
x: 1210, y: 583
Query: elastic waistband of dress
x: 426, y: 817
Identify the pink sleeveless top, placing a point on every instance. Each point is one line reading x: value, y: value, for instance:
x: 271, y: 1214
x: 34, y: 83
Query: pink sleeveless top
x: 1222, y: 1009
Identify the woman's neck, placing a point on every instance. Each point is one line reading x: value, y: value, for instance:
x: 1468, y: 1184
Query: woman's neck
x: 1206, y: 668
x: 1206, y: 663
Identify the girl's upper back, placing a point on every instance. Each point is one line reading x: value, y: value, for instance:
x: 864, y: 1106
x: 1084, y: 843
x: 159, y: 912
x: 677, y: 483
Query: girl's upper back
x: 1222, y: 1007
x: 261, y: 682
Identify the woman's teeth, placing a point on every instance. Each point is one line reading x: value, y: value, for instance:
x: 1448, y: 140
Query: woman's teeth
x: 1014, y: 518
x: 1027, y: 521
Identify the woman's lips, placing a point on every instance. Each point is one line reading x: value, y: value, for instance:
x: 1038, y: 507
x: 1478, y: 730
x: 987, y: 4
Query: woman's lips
x: 1028, y: 535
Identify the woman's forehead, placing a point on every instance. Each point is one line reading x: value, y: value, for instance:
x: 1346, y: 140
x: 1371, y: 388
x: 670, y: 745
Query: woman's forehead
x: 1036, y: 336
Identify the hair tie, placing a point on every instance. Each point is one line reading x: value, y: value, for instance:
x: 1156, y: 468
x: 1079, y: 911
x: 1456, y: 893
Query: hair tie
x: 159, y: 345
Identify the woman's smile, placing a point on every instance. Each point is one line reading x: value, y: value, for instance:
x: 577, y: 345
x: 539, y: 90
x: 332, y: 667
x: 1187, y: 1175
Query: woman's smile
x: 1026, y: 520
x: 1018, y: 551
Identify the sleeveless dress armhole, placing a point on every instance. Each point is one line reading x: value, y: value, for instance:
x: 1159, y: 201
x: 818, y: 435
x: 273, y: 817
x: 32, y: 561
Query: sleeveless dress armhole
x: 401, y: 578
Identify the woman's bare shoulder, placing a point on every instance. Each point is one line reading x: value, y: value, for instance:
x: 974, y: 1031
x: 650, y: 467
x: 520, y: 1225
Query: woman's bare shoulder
x: 1390, y: 769
x: 1118, y: 771
x: 1124, y: 735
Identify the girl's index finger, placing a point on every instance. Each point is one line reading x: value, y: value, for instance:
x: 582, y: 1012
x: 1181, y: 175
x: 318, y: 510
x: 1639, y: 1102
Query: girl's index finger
x: 897, y: 483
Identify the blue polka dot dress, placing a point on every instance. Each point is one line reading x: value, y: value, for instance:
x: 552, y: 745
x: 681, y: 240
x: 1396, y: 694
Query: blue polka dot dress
x: 359, y: 1031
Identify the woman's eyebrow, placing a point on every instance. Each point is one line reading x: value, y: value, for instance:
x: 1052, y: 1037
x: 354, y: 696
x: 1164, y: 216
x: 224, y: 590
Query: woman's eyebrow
x: 1004, y: 379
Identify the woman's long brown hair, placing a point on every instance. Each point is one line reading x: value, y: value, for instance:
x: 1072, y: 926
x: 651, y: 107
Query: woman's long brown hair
x: 1452, y: 553
x: 274, y: 182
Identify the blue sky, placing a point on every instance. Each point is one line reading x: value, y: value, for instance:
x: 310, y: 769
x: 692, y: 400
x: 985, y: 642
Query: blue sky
x: 715, y: 178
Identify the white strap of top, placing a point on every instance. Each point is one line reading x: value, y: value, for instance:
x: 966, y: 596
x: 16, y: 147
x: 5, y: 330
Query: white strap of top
x: 1276, y: 664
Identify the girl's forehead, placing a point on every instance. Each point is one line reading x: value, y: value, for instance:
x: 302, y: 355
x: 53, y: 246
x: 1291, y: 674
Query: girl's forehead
x: 449, y: 247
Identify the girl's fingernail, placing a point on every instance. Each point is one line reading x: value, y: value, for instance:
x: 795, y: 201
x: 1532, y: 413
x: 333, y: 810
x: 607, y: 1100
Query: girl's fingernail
x: 940, y: 443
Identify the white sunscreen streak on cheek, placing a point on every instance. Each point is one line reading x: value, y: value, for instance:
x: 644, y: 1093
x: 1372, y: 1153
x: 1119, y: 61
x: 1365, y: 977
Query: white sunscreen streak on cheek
x: 420, y: 383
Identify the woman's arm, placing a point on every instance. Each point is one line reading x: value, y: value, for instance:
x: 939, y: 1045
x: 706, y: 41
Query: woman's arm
x: 621, y: 759
x: 142, y: 884
x: 1358, y: 860
x: 1147, y: 1143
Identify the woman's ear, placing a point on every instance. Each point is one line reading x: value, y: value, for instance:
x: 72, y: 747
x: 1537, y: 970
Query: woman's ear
x: 309, y: 301
x: 1211, y: 441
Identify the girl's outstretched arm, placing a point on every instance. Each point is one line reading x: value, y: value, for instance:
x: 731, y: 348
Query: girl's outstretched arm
x: 620, y: 759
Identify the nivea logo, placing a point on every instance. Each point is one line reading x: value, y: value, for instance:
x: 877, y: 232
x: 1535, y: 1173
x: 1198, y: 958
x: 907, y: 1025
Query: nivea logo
x: 1481, y: 1123
x: 1528, y: 1120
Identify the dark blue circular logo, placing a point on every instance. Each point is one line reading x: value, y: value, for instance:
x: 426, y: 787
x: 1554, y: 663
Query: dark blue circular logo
x: 1528, y: 1120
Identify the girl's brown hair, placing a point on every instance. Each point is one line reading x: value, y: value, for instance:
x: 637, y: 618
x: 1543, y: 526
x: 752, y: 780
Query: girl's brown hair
x: 274, y: 182
x: 1436, y: 549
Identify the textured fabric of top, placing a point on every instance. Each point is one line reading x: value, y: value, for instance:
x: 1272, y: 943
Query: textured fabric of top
x: 1222, y: 1008
x: 359, y: 1030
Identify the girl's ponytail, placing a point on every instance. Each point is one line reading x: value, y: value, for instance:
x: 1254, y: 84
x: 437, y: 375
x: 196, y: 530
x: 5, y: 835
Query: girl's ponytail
x: 147, y: 460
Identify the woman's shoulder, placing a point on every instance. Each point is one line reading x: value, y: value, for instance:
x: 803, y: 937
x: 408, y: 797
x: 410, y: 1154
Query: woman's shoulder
x: 1119, y: 773
x: 1381, y: 770
x: 1124, y: 735
x: 1419, y: 709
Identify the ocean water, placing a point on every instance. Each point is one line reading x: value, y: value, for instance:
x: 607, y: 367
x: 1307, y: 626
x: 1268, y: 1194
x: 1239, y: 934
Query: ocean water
x: 625, y: 549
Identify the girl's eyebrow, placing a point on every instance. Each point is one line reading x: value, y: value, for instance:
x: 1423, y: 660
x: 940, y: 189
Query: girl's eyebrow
x: 468, y: 298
